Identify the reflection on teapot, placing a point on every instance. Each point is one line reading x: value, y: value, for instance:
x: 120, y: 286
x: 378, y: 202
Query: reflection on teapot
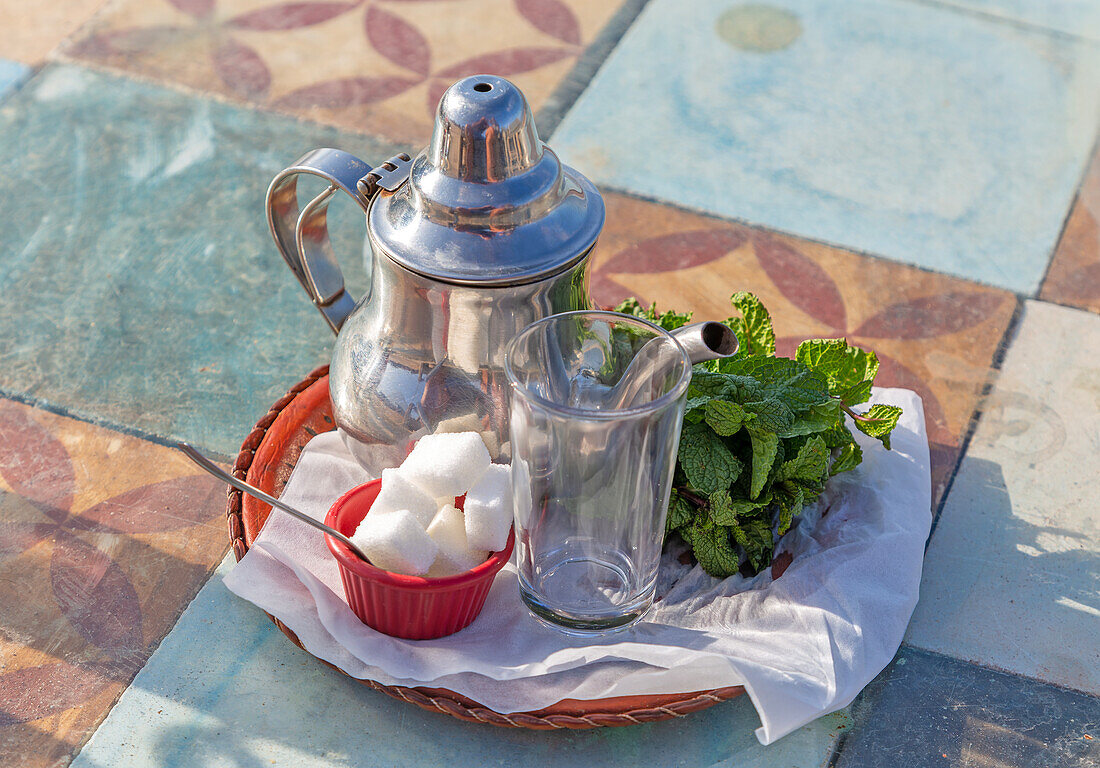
x: 483, y: 233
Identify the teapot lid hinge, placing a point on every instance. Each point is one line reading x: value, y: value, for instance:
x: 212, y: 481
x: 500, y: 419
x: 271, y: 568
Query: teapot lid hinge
x: 388, y: 176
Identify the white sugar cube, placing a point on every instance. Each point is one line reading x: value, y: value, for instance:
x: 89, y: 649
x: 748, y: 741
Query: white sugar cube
x: 446, y: 565
x: 489, y: 509
x: 446, y: 465
x: 448, y: 531
x: 399, y: 492
x: 394, y: 541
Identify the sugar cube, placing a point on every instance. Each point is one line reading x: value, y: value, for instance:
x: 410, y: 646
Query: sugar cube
x: 446, y: 565
x: 399, y: 492
x: 448, y: 531
x: 488, y: 509
x: 395, y: 541
x: 446, y: 465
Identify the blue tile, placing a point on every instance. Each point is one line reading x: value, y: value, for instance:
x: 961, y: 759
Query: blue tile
x: 906, y: 130
x: 1073, y: 17
x: 926, y: 710
x: 138, y: 281
x: 225, y: 688
x: 12, y: 74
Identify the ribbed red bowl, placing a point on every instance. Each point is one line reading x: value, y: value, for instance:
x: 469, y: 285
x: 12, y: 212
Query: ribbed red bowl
x: 412, y: 607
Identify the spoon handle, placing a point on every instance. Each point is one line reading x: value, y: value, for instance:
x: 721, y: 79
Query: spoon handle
x: 252, y: 490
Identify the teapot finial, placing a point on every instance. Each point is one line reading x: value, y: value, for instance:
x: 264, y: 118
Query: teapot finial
x: 484, y: 131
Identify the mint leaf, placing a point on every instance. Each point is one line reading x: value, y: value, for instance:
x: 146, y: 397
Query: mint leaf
x: 837, y: 436
x: 711, y: 544
x: 729, y: 512
x: 668, y: 320
x: 764, y: 446
x: 707, y: 384
x: 724, y: 417
x: 790, y: 504
x: 680, y: 512
x: 819, y: 417
x: 694, y: 409
x: 809, y: 467
x: 706, y: 461
x: 754, y: 536
x: 849, y: 457
x: 878, y: 422
x: 772, y: 415
x: 849, y: 370
x: 754, y: 328
x: 782, y: 377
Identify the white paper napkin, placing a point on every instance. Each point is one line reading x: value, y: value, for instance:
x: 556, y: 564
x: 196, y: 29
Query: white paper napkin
x: 802, y: 645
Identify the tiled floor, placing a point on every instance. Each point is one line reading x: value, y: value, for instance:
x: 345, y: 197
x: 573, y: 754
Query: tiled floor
x: 893, y: 127
x: 911, y: 174
x: 104, y: 538
x: 1010, y: 578
x: 396, y: 58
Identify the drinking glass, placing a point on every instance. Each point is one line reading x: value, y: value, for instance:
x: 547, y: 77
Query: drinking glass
x: 597, y: 401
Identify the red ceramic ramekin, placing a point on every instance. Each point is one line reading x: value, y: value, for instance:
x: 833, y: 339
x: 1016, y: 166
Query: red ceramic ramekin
x: 412, y: 607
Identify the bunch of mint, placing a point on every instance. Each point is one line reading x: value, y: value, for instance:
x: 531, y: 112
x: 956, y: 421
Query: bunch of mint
x: 762, y: 435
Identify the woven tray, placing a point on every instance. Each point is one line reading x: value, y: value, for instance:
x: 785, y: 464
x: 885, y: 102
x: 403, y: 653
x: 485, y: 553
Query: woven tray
x: 267, y: 459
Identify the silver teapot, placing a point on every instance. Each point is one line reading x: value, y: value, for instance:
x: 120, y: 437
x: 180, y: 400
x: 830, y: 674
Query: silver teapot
x: 484, y: 232
x: 481, y: 234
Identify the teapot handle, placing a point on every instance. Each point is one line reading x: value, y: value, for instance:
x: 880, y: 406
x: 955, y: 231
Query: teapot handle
x: 302, y: 237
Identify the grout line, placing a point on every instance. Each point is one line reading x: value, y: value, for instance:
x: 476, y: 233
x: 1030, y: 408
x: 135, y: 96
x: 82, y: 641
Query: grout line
x: 987, y: 388
x: 571, y: 87
x: 998, y: 670
x: 39, y: 404
x: 1019, y: 24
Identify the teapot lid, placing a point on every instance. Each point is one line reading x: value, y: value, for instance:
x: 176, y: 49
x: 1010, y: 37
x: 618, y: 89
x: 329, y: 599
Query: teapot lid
x: 487, y: 202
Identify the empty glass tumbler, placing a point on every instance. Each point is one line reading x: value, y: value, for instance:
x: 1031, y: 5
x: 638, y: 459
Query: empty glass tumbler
x: 596, y: 407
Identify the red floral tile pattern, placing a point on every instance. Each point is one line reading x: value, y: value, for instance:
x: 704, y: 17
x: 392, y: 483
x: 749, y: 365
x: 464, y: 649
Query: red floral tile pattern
x: 1074, y: 275
x: 103, y: 540
x: 374, y: 65
x: 933, y: 334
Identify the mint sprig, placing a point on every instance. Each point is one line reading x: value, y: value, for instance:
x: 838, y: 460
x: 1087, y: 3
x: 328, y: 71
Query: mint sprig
x: 762, y: 435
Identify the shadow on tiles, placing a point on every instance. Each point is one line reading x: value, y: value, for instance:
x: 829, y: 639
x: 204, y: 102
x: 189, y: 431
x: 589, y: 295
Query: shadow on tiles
x: 930, y: 710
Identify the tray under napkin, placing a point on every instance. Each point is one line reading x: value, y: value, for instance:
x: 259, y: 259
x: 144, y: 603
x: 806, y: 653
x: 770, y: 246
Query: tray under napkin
x: 266, y: 460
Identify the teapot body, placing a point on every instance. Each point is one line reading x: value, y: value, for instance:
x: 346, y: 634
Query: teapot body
x: 419, y: 355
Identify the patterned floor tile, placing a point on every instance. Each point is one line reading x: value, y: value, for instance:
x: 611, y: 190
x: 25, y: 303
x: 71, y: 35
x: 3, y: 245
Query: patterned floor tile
x: 30, y: 32
x: 1073, y: 17
x: 377, y: 66
x: 104, y: 539
x: 139, y: 283
x: 1074, y: 275
x: 934, y: 334
x: 1012, y: 575
x: 901, y: 129
x: 228, y: 689
x: 926, y: 710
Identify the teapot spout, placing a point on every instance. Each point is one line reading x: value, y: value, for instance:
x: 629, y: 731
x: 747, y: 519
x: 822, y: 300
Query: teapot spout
x: 706, y: 341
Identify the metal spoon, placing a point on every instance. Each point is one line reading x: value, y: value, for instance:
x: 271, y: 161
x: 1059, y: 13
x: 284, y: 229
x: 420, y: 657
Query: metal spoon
x: 252, y: 490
